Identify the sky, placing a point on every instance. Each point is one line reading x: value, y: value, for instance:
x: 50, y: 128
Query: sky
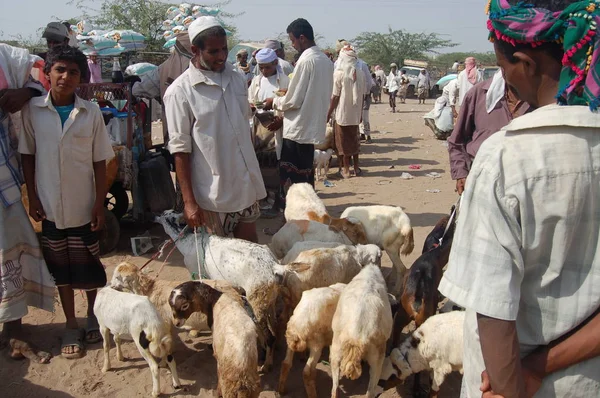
x: 461, y: 21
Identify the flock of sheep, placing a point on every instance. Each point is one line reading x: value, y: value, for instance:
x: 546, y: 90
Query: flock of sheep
x: 318, y: 282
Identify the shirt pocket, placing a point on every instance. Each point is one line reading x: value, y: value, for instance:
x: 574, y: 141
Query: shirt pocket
x: 82, y: 149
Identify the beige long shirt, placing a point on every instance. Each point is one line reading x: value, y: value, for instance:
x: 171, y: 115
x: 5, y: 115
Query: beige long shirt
x: 207, y: 113
x: 527, y: 244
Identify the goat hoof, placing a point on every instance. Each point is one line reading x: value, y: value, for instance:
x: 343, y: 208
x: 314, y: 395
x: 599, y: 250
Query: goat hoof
x: 176, y: 387
x: 155, y: 394
x: 105, y: 369
x: 193, y: 333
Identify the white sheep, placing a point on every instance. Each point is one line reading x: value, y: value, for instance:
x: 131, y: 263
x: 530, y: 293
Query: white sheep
x: 300, y: 247
x: 234, y: 335
x: 328, y: 142
x: 301, y: 199
x: 244, y: 264
x: 362, y: 324
x: 304, y: 230
x: 389, y: 228
x: 128, y: 277
x: 123, y: 313
x: 303, y: 203
x: 322, y: 160
x: 325, y: 266
x: 310, y: 328
x: 436, y: 346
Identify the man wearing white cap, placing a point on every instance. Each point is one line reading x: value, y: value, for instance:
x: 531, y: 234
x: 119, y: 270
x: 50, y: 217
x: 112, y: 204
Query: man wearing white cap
x: 305, y: 108
x: 277, y: 46
x: 207, y: 114
x: 268, y: 126
x: 271, y: 82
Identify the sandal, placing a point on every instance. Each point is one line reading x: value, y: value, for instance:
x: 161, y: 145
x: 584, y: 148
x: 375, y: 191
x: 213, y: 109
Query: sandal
x: 91, y: 327
x: 72, y: 338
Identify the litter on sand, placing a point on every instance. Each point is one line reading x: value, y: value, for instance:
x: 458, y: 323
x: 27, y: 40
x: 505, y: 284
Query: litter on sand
x: 433, y: 190
x: 433, y: 175
x: 392, y: 167
x: 384, y: 182
x: 415, y: 167
x: 328, y: 183
x: 406, y: 176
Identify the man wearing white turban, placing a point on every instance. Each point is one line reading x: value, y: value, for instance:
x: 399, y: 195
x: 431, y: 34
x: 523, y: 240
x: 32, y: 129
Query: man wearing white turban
x: 271, y: 82
x: 207, y: 113
x: 279, y: 49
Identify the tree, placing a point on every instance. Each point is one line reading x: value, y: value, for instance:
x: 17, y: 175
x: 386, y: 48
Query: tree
x: 398, y: 45
x: 444, y: 61
x: 143, y: 16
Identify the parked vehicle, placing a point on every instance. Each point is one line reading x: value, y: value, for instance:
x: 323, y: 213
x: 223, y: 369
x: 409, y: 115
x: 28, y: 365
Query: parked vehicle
x: 413, y: 69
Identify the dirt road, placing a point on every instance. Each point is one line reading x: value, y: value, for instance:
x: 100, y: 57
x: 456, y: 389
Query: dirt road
x: 402, y: 140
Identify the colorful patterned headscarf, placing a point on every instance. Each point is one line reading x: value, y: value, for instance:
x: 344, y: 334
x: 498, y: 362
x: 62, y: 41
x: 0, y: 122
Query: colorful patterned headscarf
x: 574, y: 27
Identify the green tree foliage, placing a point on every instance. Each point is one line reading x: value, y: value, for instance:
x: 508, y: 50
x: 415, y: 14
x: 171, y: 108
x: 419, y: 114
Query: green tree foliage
x: 398, y: 45
x: 445, y: 61
x: 143, y: 16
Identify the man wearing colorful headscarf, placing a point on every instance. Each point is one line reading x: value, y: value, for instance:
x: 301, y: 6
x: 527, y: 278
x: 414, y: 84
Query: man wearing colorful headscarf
x: 525, y: 260
x: 467, y: 78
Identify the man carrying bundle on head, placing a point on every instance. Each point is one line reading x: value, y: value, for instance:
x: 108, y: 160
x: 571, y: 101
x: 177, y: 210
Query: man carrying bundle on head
x: 525, y: 260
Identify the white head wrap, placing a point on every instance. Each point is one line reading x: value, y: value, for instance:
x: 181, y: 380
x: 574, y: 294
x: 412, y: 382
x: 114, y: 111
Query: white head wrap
x: 496, y: 91
x: 200, y: 25
x: 266, y: 56
x: 348, y: 60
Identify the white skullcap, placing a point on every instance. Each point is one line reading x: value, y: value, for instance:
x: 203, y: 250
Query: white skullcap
x: 200, y: 25
x: 266, y: 56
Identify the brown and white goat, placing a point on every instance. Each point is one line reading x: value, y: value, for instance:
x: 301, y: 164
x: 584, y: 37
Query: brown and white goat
x: 420, y: 298
x: 234, y: 335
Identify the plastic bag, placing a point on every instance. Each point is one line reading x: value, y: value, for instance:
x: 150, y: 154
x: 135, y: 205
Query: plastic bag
x: 168, y: 35
x: 172, y: 12
x: 179, y: 29
x: 139, y: 69
x: 187, y: 21
x: 125, y: 36
x: 99, y: 42
x: 170, y: 43
x: 83, y: 27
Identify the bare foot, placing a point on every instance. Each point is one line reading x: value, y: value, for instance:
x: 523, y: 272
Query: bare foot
x: 20, y: 349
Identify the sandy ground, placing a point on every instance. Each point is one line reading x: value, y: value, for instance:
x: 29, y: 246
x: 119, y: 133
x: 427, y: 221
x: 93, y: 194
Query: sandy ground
x: 401, y: 140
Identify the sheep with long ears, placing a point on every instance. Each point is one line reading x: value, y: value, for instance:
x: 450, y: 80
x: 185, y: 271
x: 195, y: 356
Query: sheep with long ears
x: 244, y: 264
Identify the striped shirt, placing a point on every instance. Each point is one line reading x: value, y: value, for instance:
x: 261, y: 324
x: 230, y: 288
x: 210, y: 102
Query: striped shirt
x: 527, y: 245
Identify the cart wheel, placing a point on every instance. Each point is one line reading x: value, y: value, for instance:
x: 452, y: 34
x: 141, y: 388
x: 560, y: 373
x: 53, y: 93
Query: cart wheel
x: 117, y: 200
x: 109, y: 236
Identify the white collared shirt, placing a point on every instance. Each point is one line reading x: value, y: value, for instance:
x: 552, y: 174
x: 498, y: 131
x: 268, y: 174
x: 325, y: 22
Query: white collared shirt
x: 392, y: 82
x: 306, y: 103
x: 65, y: 157
x: 527, y: 246
x: 257, y: 91
x: 207, y: 114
